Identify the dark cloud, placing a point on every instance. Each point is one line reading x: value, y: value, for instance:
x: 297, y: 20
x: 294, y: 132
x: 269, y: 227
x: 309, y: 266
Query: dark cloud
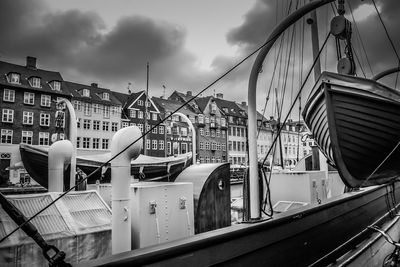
x: 78, y: 45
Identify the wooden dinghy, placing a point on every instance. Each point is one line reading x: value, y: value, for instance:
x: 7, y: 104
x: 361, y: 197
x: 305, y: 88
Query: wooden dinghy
x: 356, y: 124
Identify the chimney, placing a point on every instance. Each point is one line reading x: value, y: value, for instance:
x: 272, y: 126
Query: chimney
x: 31, y: 62
x: 94, y: 85
x: 220, y: 96
x: 189, y: 93
x: 244, y: 103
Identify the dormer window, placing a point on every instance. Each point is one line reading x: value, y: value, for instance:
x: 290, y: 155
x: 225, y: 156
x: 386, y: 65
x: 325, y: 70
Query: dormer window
x: 140, y: 102
x: 225, y: 110
x: 15, y: 78
x: 86, y: 92
x: 106, y: 96
x: 35, y: 82
x: 56, y: 86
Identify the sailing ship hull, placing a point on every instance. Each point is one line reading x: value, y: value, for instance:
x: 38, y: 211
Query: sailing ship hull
x: 314, y: 235
x: 35, y: 161
x: 356, y: 124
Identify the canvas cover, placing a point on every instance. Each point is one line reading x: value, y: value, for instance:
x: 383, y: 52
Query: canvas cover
x: 78, y: 224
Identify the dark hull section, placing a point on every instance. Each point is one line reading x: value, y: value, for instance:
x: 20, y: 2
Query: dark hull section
x: 356, y: 123
x: 316, y: 235
x: 35, y: 161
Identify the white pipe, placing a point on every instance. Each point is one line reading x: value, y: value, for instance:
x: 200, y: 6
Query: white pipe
x: 60, y: 154
x: 73, y: 132
x: 186, y: 119
x: 120, y: 186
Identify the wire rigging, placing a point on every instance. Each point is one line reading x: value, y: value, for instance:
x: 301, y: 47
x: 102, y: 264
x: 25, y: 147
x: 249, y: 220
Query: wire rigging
x: 298, y: 93
x: 390, y: 40
x: 147, y: 132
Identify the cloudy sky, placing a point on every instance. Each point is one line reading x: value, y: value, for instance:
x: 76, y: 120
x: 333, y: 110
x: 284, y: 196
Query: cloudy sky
x: 188, y: 43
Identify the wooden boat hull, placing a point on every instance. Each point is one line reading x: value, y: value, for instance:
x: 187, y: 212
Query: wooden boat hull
x: 35, y: 161
x: 356, y: 124
x: 316, y: 235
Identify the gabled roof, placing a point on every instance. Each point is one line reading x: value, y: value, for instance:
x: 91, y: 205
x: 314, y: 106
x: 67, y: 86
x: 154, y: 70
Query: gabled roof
x: 95, y: 93
x: 203, y: 102
x: 186, y: 98
x: 134, y: 97
x: 260, y: 117
x: 26, y: 73
x: 233, y: 108
x: 166, y: 105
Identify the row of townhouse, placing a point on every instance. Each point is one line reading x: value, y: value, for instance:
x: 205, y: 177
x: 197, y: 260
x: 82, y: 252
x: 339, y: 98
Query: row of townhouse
x: 29, y: 115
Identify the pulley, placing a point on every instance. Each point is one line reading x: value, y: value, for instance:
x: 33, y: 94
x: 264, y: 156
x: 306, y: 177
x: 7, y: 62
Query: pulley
x: 346, y: 66
x: 340, y: 27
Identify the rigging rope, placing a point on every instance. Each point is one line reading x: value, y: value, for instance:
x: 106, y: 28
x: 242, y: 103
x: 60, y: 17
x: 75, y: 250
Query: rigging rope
x: 147, y: 132
x: 298, y: 94
x: 390, y: 40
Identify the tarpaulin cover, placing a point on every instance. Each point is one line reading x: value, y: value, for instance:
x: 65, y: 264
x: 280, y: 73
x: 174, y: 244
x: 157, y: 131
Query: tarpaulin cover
x: 78, y: 224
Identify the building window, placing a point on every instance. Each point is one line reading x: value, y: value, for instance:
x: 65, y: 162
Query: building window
x: 161, y: 145
x: 44, y: 139
x: 223, y: 133
x: 60, y: 119
x: 207, y: 132
x: 184, y: 131
x: 6, y: 136
x: 56, y: 86
x: 106, y: 125
x: 85, y: 142
x: 161, y: 129
x: 45, y: 100
x: 104, y: 144
x: 201, y: 131
x: 78, y: 122
x: 140, y: 114
x: 27, y: 117
x: 201, y: 145
x: 44, y: 119
x: 106, y: 96
x: 78, y: 142
x: 183, y: 148
x: 87, y: 109
x: 148, y: 127
x: 148, y: 144
x: 8, y: 95
x: 27, y: 137
x: 207, y: 159
x: 96, y: 108
x: 114, y: 111
x: 169, y: 148
x: 154, y: 144
x: 207, y: 145
x: 124, y: 124
x: 15, y: 78
x: 154, y: 131
x: 77, y: 105
x: 132, y: 113
x: 154, y: 116
x: 140, y: 102
x: 86, y: 92
x: 86, y: 124
x: 106, y: 112
x: 140, y: 127
x: 35, y: 82
x: 212, y: 133
x: 218, y: 133
x: 96, y: 125
x: 96, y: 143
x: 114, y: 126
x: 223, y: 147
x: 29, y: 98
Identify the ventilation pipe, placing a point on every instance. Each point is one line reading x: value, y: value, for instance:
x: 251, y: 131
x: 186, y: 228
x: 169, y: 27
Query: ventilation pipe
x: 60, y: 154
x: 120, y: 186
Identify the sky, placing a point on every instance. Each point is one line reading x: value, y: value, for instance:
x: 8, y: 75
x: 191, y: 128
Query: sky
x: 188, y: 43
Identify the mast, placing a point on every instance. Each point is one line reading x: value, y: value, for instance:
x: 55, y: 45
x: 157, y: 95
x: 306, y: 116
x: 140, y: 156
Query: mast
x: 145, y: 111
x: 254, y: 187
